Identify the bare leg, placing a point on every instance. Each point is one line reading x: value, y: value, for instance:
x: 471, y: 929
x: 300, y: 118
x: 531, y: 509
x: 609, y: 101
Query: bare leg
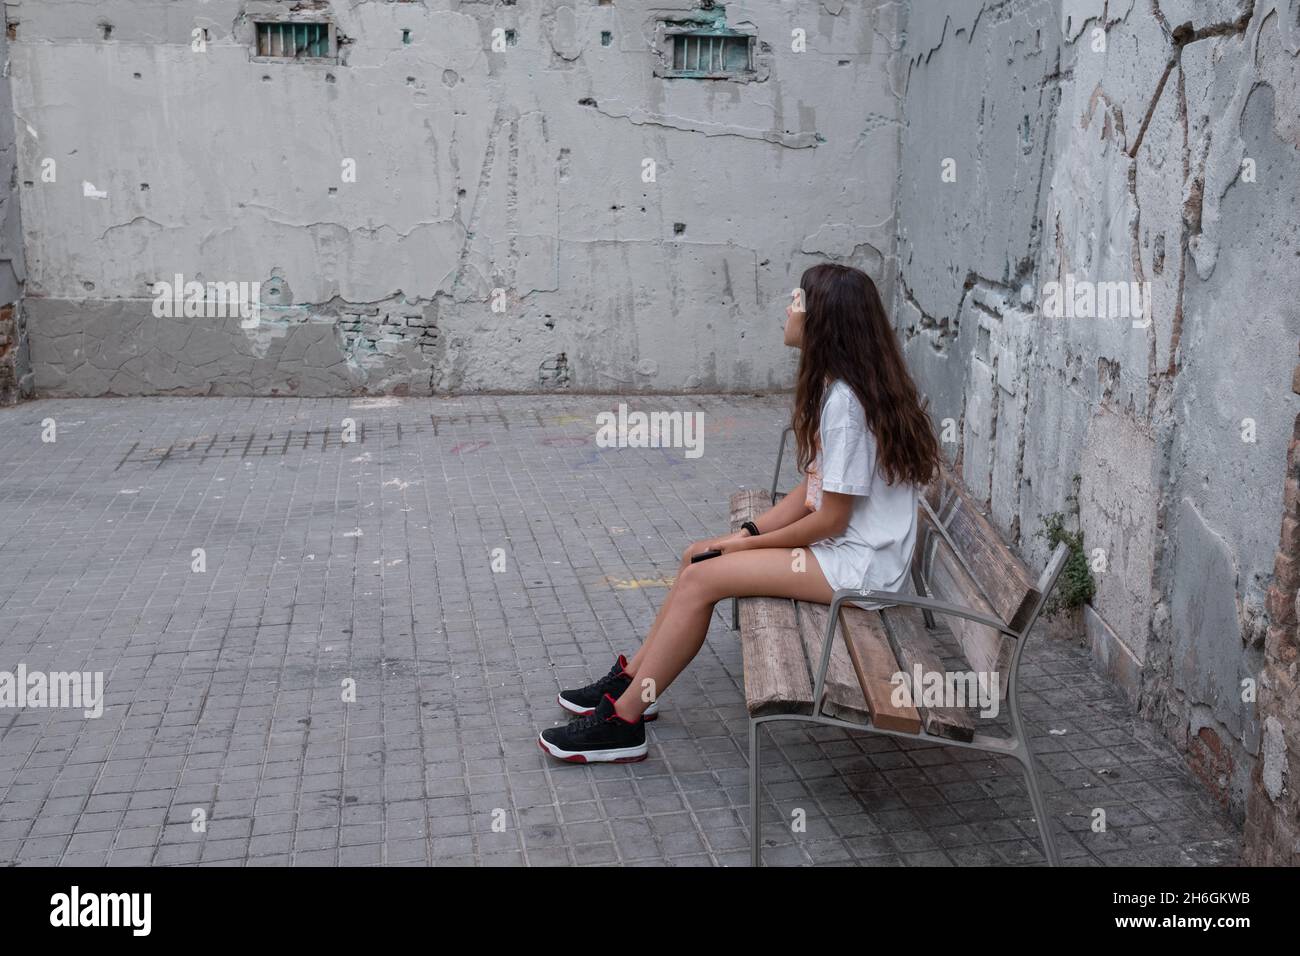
x: 680, y: 630
x: 639, y: 656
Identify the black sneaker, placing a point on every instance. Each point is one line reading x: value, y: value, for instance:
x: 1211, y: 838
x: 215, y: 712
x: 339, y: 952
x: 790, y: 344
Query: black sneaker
x: 601, y: 737
x: 583, y: 701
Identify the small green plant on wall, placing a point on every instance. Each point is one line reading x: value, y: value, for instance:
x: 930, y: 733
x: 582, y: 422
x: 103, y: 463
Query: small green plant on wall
x: 1076, y: 585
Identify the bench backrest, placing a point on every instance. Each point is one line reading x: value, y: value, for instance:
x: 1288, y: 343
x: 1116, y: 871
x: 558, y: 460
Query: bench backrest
x: 963, y: 561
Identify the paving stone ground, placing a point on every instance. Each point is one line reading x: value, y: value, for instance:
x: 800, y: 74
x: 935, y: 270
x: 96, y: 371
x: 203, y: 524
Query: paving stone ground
x: 372, y: 561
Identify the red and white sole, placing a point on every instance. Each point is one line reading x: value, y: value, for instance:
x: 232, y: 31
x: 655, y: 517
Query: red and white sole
x: 617, y: 755
x: 650, y: 713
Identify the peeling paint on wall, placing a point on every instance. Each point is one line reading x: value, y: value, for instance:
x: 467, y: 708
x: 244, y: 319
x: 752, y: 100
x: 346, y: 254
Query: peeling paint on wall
x: 437, y: 165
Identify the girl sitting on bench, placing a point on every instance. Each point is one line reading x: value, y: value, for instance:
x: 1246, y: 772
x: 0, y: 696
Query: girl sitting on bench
x: 866, y: 449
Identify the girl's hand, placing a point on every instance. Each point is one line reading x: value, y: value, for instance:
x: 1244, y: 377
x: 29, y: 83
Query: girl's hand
x: 698, y: 547
x: 740, y: 541
x: 712, y: 544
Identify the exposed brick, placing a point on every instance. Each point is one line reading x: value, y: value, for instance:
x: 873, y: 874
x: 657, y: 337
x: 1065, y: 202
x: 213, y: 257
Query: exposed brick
x: 1212, y: 763
x: 1286, y: 572
x: 1281, y: 606
x: 1286, y: 651
x: 1290, y: 539
x: 1291, y: 497
x: 1278, y: 636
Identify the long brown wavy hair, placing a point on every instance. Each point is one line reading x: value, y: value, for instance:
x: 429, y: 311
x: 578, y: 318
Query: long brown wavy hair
x: 847, y: 336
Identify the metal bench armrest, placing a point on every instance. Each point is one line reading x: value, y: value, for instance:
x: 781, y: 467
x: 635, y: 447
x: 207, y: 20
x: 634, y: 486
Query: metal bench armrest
x: 780, y: 453
x: 926, y: 604
x: 890, y: 597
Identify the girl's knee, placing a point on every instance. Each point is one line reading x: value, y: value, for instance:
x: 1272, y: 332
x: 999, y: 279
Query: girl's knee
x: 693, y: 585
x: 687, y: 581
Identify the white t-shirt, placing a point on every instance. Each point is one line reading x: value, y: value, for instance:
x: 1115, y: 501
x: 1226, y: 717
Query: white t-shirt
x: 875, y: 550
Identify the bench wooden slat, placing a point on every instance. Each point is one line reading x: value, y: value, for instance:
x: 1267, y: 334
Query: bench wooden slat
x: 985, y: 649
x: 998, y: 572
x: 776, y: 670
x: 747, y: 503
x: 904, y: 630
x: 844, y: 697
x: 875, y: 664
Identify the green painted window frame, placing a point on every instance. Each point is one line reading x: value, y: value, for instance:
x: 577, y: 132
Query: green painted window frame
x: 707, y: 54
x: 313, y: 41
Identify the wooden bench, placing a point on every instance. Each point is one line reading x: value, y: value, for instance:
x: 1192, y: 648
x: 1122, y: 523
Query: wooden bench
x: 962, y: 571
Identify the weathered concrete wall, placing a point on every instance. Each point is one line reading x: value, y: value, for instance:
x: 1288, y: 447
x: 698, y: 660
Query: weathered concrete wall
x: 15, y: 368
x: 1119, y: 141
x: 475, y: 170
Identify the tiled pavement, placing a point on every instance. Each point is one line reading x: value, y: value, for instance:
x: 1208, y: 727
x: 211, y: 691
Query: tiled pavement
x: 373, y: 561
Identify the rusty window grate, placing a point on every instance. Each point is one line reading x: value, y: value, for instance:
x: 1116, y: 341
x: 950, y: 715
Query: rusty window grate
x: 283, y: 40
x: 701, y: 54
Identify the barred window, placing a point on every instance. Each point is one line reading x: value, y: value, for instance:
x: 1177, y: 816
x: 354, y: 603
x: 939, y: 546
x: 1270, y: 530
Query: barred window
x: 709, y: 54
x: 296, y: 40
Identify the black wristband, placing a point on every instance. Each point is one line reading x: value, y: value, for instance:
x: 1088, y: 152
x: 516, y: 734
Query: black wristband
x: 751, y: 528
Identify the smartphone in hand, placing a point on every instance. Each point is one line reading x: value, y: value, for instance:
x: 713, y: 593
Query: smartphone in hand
x: 705, y: 555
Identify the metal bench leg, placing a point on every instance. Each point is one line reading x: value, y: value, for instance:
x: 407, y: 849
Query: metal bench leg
x: 1025, y: 754
x: 1040, y: 808
x: 755, y: 824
